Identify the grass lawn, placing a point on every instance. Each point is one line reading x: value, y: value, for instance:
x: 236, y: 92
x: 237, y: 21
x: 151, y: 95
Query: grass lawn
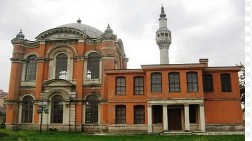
x: 22, y: 135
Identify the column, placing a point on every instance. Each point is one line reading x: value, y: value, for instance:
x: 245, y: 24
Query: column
x: 186, y: 113
x: 149, y: 111
x: 202, y: 118
x: 165, y: 118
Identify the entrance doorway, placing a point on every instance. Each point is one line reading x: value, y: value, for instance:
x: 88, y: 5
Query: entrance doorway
x: 174, y: 119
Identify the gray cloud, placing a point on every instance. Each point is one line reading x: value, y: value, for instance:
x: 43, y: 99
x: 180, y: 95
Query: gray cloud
x: 215, y: 31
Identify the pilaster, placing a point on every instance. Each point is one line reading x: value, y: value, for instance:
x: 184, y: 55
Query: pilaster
x: 186, y: 113
x: 165, y: 118
x: 202, y: 118
x: 149, y: 112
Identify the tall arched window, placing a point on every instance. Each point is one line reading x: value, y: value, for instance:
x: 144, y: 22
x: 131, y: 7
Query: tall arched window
x: 92, y: 109
x: 61, y: 66
x: 31, y: 68
x: 57, y: 109
x: 27, y: 109
x: 93, y: 66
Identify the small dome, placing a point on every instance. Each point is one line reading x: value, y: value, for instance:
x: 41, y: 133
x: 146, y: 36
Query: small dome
x: 109, y: 30
x: 20, y: 35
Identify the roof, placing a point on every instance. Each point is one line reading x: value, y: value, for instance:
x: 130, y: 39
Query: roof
x: 81, y: 29
x: 89, y: 30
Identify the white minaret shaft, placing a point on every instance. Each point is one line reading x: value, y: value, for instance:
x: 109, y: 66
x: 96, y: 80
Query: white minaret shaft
x: 163, y: 38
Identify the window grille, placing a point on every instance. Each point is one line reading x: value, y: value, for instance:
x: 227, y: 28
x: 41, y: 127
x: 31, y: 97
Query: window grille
x: 91, y: 109
x: 27, y: 109
x: 120, y: 114
x: 31, y: 68
x: 174, y: 85
x: 57, y: 109
x: 139, y: 85
x: 61, y: 66
x: 120, y: 85
x: 156, y: 82
x: 139, y: 114
x: 93, y: 66
x: 192, y: 81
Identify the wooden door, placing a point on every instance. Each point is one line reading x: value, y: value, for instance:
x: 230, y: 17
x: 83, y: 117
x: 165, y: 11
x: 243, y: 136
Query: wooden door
x: 174, y: 119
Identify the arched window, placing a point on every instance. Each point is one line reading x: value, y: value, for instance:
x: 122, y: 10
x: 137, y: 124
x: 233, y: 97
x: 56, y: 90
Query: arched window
x: 92, y: 109
x: 27, y: 109
x: 31, y: 68
x: 57, y: 109
x: 61, y: 66
x: 93, y: 66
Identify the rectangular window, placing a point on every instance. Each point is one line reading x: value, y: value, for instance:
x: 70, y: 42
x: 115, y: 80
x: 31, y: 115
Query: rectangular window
x: 207, y: 82
x: 138, y: 85
x: 225, y: 82
x: 193, y: 113
x: 156, y: 82
x: 120, y: 114
x: 192, y: 81
x: 120, y: 85
x: 139, y: 114
x: 174, y: 85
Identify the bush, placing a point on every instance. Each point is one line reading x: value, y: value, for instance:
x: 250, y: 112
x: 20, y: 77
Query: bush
x: 4, y: 134
x: 2, y: 122
x: 53, y: 129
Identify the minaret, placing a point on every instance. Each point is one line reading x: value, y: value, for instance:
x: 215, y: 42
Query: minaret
x: 163, y: 38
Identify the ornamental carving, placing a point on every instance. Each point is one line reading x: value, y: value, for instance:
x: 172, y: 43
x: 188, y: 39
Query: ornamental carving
x: 63, y: 36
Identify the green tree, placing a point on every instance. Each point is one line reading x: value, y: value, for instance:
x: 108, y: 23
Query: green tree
x: 242, y: 83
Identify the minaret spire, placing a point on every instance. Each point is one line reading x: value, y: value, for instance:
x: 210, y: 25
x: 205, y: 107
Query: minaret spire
x: 162, y: 12
x: 163, y: 38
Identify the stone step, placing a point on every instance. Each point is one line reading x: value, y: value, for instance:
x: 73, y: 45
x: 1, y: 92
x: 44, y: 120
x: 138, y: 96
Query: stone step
x: 176, y: 133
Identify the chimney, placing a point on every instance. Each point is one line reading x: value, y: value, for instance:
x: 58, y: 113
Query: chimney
x: 204, y: 61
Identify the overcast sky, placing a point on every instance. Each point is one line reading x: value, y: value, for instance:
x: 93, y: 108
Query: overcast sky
x: 212, y: 29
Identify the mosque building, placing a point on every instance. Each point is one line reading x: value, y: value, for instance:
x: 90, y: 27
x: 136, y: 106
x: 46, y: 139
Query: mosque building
x: 77, y: 76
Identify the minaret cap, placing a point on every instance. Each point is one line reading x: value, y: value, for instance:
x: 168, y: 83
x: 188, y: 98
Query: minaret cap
x: 162, y: 15
x: 79, y: 21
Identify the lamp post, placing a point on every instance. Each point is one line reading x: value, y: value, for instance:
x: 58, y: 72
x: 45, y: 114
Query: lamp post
x: 42, y: 108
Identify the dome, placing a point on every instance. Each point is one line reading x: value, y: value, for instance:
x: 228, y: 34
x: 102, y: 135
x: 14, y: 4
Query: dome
x: 109, y: 30
x: 89, y: 30
x: 20, y: 35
